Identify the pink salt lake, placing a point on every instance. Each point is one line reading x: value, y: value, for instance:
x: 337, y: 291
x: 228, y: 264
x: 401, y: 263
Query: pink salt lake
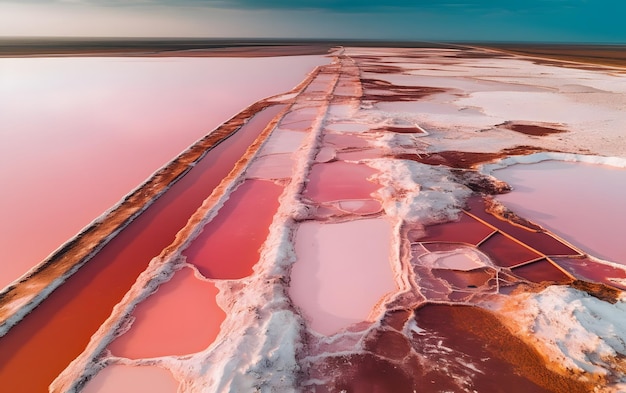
x: 583, y: 203
x: 339, y: 180
x: 77, y: 134
x: 340, y: 274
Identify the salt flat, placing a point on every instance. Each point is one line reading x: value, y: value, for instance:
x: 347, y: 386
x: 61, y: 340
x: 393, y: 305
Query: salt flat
x: 386, y: 160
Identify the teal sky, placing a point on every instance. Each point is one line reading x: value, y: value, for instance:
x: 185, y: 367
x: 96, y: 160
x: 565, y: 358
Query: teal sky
x: 530, y: 20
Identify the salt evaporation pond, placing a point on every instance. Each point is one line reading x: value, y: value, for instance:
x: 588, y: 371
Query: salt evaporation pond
x: 77, y: 133
x: 129, y: 379
x: 581, y: 202
x: 341, y: 274
x: 182, y: 317
x: 58, y: 329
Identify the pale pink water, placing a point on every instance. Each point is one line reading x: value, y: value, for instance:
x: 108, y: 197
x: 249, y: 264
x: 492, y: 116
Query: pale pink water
x: 583, y: 203
x: 340, y: 273
x: 77, y: 134
x: 132, y: 379
x: 340, y: 180
x: 275, y: 166
x: 182, y: 317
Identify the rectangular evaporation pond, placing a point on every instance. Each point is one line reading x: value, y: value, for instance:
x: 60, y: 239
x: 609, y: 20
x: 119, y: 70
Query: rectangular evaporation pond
x: 341, y: 272
x: 541, y: 271
x: 228, y: 247
x: 540, y: 241
x: 118, y: 378
x: 364, y: 154
x: 57, y: 331
x: 339, y: 180
x: 506, y: 252
x: 181, y: 318
x: 465, y: 230
x: 344, y: 141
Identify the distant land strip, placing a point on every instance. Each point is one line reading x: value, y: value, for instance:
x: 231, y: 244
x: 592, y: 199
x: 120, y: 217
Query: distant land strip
x: 157, y: 47
x: 607, y: 55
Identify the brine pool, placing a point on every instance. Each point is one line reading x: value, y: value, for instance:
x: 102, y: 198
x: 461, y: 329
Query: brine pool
x: 583, y: 203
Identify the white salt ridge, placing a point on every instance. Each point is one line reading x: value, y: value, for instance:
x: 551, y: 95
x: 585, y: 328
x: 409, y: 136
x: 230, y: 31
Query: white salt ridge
x: 617, y: 162
x: 418, y: 193
x: 573, y: 330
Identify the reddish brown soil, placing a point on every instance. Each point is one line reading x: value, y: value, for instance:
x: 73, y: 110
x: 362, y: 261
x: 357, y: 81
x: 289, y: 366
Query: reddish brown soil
x: 463, y: 159
x: 498, y: 210
x: 151, y: 48
x: 378, y: 68
x: 395, y: 93
x: 451, y: 338
x: 598, y: 290
x: 475, y: 54
x: 611, y: 55
x: 513, y: 365
x: 480, y: 183
x: 533, y: 129
x: 399, y: 130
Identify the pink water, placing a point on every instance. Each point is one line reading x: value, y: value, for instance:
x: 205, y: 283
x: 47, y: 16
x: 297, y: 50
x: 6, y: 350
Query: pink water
x: 132, y: 379
x: 275, y: 166
x: 77, y: 134
x: 339, y: 180
x: 182, y: 317
x: 340, y: 274
x: 228, y: 247
x: 583, y: 203
x: 55, y: 332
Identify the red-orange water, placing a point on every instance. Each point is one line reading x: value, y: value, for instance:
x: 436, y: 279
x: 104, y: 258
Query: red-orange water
x: 182, y: 317
x: 465, y: 230
x: 35, y: 351
x: 228, y: 246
